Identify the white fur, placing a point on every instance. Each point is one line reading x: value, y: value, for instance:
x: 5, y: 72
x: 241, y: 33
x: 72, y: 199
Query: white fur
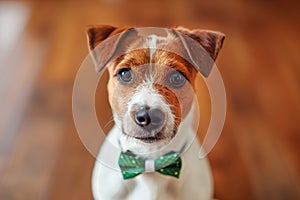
x: 155, y: 42
x: 152, y: 39
x: 195, y: 182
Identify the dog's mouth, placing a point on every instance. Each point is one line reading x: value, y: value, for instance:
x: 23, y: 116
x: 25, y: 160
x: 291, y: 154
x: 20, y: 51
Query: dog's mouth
x: 150, y: 139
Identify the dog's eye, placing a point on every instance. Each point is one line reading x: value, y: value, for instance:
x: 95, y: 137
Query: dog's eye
x: 125, y: 76
x: 176, y: 79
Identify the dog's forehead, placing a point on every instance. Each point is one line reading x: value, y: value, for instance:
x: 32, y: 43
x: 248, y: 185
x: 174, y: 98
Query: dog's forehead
x: 155, y: 42
x: 152, y: 49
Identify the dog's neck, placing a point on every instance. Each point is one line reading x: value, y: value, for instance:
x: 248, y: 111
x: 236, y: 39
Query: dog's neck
x: 184, y: 137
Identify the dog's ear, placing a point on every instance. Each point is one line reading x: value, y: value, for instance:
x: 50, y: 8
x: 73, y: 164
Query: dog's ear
x: 211, y: 42
x: 97, y: 35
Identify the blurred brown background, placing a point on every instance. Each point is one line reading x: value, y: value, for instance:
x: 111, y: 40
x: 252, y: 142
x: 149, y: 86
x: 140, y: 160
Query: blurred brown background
x: 42, y: 44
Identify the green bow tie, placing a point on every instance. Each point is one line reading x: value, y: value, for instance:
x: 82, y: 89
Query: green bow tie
x: 132, y: 165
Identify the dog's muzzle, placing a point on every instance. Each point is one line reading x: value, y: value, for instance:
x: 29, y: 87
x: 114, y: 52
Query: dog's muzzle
x: 149, y: 118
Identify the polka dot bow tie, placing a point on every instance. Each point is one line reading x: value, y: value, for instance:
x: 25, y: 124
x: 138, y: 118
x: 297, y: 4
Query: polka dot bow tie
x: 132, y: 165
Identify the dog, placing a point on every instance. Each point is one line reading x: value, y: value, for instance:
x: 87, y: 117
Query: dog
x: 151, y: 95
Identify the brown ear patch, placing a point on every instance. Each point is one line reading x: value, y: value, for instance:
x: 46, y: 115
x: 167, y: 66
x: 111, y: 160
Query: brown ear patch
x: 212, y: 41
x: 97, y: 35
x: 204, y: 56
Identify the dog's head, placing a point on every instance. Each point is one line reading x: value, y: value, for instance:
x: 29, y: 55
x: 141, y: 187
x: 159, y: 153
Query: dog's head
x: 151, y: 89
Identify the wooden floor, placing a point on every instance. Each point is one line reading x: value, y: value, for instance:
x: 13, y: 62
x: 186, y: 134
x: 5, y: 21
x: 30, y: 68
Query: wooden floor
x: 258, y: 154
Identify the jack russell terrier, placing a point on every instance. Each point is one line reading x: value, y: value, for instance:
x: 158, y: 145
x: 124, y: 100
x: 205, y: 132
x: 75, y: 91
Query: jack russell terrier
x: 151, y: 93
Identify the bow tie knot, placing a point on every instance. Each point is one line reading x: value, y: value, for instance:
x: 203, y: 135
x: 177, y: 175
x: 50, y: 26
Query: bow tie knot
x: 132, y: 165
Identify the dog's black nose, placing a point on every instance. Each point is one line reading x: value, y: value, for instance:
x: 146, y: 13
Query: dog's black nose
x: 142, y: 117
x: 149, y: 118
